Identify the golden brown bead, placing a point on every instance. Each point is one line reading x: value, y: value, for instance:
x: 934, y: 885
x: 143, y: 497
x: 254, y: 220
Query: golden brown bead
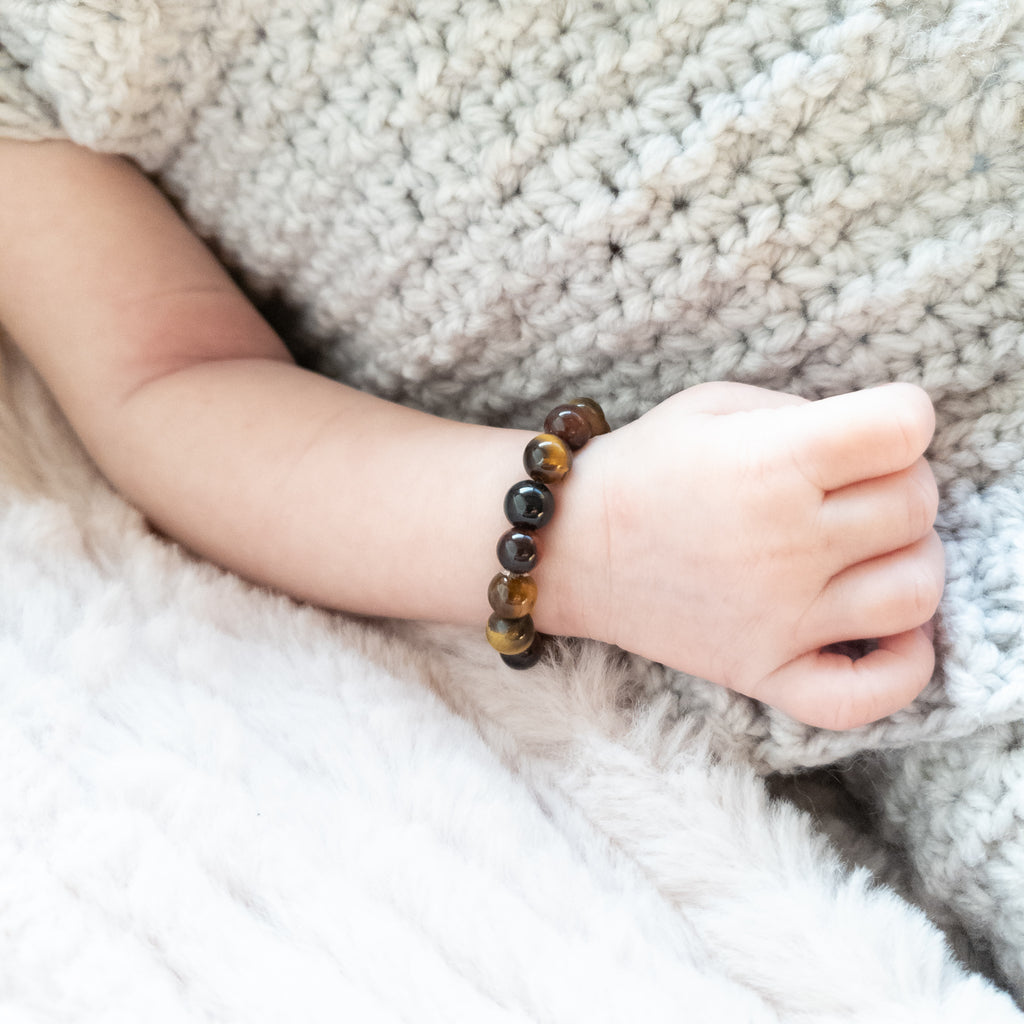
x: 594, y: 415
x: 510, y: 636
x: 568, y: 423
x: 512, y: 597
x: 547, y: 458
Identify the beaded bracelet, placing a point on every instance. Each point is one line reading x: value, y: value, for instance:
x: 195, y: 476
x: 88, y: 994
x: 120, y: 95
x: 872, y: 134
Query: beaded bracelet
x: 530, y: 504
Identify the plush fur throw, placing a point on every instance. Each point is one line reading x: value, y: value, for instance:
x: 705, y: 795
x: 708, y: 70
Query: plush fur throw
x: 223, y: 806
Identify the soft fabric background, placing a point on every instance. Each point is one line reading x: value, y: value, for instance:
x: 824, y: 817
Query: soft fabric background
x: 477, y: 208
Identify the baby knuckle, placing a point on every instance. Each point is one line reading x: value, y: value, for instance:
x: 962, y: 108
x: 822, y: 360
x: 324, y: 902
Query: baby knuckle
x: 922, y: 499
x: 914, y: 417
x: 712, y: 394
x: 924, y: 592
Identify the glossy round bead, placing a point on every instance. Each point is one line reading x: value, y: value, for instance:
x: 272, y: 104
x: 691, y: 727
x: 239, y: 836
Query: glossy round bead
x: 512, y: 597
x: 568, y: 423
x: 594, y: 415
x: 510, y: 636
x: 529, y: 504
x: 518, y: 551
x: 529, y: 657
x: 547, y: 458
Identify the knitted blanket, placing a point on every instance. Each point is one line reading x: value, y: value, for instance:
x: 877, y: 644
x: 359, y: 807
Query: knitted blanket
x: 222, y: 806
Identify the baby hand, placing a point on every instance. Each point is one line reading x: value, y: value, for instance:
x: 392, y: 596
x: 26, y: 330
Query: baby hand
x: 747, y: 532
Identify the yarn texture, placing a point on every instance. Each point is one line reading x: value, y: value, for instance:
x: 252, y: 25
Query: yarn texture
x: 479, y: 207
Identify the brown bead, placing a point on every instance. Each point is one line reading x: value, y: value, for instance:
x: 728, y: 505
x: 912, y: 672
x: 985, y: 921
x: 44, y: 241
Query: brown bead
x: 512, y: 597
x: 518, y: 551
x: 568, y: 423
x: 510, y: 636
x: 547, y: 458
x: 594, y: 415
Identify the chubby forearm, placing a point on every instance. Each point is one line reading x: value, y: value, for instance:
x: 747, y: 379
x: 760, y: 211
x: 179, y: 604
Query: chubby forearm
x: 192, y: 407
x: 327, y: 494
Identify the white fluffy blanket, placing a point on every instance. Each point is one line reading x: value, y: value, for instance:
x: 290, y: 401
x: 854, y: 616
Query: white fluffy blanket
x: 220, y: 806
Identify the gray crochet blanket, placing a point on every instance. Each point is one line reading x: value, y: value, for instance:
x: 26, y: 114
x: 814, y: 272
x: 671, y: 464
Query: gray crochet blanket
x: 476, y: 208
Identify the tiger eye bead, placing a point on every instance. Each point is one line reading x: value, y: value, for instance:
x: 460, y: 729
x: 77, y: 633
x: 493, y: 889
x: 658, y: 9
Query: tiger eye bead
x: 547, y: 458
x: 510, y: 636
x: 518, y: 551
x: 512, y: 597
x: 568, y: 423
x: 593, y: 414
x: 529, y: 504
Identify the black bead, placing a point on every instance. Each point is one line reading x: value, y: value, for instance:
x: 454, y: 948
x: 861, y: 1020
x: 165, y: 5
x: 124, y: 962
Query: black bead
x: 529, y: 504
x: 529, y: 657
x: 517, y: 551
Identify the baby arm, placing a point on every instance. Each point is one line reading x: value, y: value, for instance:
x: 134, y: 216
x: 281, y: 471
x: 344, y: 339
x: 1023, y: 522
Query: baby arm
x: 193, y: 408
x: 731, y: 532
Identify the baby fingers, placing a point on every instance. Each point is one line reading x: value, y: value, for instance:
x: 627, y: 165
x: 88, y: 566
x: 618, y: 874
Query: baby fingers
x: 862, y: 435
x: 880, y: 597
x: 873, y: 517
x: 835, y: 692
